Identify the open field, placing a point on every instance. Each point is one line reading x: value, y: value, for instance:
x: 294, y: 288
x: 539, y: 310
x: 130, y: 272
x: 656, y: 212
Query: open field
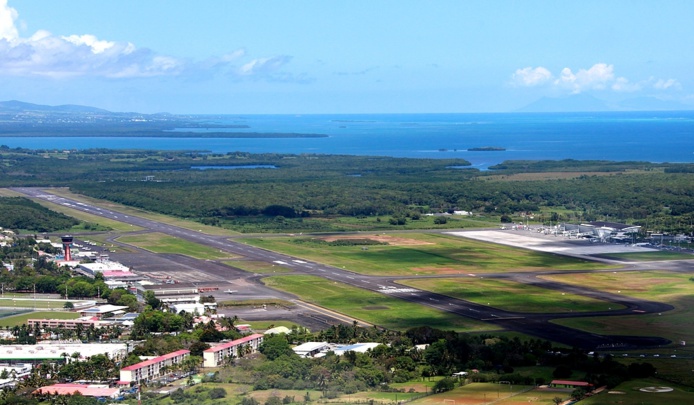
x: 22, y: 318
x: 5, y: 192
x: 631, y: 395
x: 484, y: 393
x: 426, y: 254
x: 371, y: 307
x: 28, y: 302
x: 166, y: 219
x: 425, y: 222
x: 509, y: 295
x: 672, y: 288
x: 161, y: 243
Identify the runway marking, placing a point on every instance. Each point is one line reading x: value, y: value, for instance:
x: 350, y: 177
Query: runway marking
x: 500, y: 318
x: 394, y: 290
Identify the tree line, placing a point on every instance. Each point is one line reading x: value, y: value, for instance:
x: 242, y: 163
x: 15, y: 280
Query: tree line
x: 289, y: 191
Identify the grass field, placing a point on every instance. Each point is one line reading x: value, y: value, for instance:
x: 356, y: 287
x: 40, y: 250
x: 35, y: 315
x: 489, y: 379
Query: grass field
x: 28, y: 302
x: 6, y: 192
x: 161, y: 243
x: 510, y: 296
x: 487, y: 393
x: 372, y: 223
x: 22, y: 318
x: 371, y: 307
x: 672, y: 288
x: 632, y: 396
x: 192, y: 225
x: 419, y: 253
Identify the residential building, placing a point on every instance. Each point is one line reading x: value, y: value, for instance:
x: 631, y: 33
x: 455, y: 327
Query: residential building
x: 153, y: 368
x: 214, y: 356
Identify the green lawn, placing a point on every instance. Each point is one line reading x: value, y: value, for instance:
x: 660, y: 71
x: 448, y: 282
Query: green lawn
x: 419, y: 253
x: 510, y: 296
x: 161, y: 243
x: 371, y: 307
x: 672, y: 288
x: 22, y: 318
x: 632, y: 396
x: 487, y: 393
x: 25, y: 301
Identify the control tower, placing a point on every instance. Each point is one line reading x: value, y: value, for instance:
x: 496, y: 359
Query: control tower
x: 67, y: 244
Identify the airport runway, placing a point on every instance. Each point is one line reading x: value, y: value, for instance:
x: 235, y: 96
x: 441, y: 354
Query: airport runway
x: 533, y: 324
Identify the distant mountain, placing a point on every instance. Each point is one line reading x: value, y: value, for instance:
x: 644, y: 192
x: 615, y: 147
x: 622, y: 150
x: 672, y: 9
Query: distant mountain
x: 20, y: 106
x: 573, y: 103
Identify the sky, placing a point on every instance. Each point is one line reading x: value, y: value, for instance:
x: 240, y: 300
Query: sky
x: 330, y: 57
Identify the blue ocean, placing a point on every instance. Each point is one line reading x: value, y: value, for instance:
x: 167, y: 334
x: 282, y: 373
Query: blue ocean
x: 620, y: 136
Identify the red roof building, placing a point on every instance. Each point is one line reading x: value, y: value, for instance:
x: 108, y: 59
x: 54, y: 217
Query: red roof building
x: 572, y: 384
x: 214, y: 356
x: 85, y: 390
x: 152, y: 368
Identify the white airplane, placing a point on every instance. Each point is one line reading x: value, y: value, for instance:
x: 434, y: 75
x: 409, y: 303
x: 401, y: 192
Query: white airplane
x: 230, y: 291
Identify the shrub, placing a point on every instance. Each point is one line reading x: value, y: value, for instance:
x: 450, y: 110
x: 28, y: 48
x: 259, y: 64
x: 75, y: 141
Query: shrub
x: 217, y: 393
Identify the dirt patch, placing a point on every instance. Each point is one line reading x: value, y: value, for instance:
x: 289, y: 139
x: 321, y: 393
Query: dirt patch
x: 375, y: 307
x: 391, y: 240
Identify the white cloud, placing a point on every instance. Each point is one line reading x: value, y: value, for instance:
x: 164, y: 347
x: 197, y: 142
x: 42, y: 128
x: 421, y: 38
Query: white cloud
x: 91, y: 41
x: 597, y: 77
x: 263, y: 66
x: 662, y: 84
x: 624, y: 85
x: 531, y: 76
x: 600, y: 76
x: 46, y: 55
x: 8, y: 15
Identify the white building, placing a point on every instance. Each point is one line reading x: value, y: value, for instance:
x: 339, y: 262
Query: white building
x: 153, y: 368
x: 310, y: 349
x: 57, y: 351
x: 91, y: 269
x: 357, y: 348
x: 214, y: 356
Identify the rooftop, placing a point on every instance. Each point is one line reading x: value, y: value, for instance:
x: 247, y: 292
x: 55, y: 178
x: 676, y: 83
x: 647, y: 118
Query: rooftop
x: 156, y: 360
x: 86, y: 390
x: 234, y: 343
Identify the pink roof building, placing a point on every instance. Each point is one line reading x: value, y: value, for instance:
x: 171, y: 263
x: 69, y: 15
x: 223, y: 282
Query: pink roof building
x: 214, y: 356
x: 83, y: 389
x: 152, y: 368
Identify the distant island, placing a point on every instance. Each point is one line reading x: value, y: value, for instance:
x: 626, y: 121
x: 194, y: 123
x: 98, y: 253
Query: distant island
x: 20, y: 119
x: 487, y: 149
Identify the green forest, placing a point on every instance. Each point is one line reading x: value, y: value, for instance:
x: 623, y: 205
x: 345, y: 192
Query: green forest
x: 276, y: 192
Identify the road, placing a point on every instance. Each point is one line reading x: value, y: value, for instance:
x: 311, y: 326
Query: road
x: 535, y: 324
